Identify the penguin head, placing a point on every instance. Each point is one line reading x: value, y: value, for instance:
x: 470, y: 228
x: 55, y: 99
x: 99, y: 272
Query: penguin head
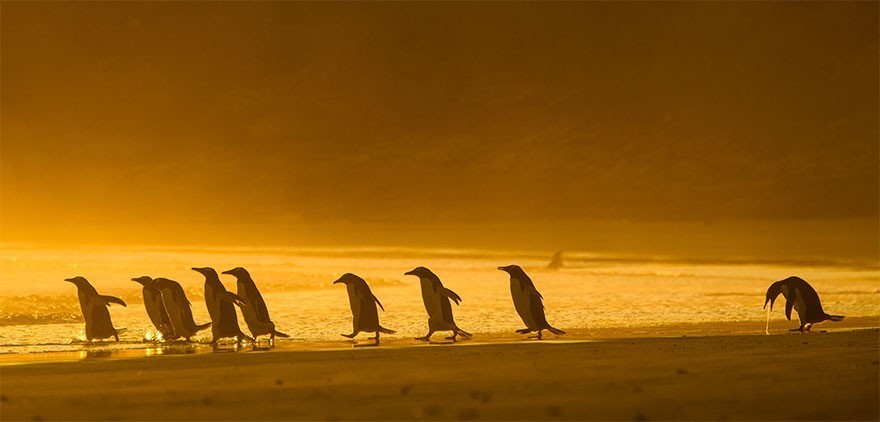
x: 78, y: 280
x: 420, y: 272
x: 238, y: 272
x: 206, y: 271
x: 348, y: 278
x: 161, y: 283
x: 143, y: 280
x: 772, y: 292
x: 511, y: 269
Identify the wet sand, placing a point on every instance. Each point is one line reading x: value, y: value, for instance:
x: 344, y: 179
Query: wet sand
x: 819, y: 376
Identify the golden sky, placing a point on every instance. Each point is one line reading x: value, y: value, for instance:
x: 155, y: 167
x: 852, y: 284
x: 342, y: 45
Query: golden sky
x: 136, y: 118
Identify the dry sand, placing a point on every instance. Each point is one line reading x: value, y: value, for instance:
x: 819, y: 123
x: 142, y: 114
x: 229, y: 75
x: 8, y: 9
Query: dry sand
x: 818, y: 376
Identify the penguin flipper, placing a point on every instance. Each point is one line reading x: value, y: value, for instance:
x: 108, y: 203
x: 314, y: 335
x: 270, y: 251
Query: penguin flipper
x: 111, y: 299
x: 233, y: 298
x: 279, y: 334
x: 379, y: 303
x: 789, y: 304
x: 450, y: 294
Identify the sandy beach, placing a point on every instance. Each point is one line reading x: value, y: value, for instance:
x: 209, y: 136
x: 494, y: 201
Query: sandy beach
x: 819, y: 376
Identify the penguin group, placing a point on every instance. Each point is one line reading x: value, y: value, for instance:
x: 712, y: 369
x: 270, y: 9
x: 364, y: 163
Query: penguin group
x: 170, y: 311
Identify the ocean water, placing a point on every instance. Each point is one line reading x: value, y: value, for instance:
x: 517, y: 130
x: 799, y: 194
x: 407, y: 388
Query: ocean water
x: 39, y: 311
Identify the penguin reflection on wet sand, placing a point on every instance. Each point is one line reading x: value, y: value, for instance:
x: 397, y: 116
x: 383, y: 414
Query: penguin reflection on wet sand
x: 364, y: 315
x: 221, y: 306
x: 156, y: 309
x: 528, y: 302
x: 803, y: 298
x: 436, y: 299
x: 256, y: 314
x: 178, y: 307
x: 94, y: 309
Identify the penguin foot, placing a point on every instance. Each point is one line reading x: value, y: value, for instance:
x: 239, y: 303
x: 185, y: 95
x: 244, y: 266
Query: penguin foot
x: 451, y: 338
x: 426, y: 338
x: 348, y: 335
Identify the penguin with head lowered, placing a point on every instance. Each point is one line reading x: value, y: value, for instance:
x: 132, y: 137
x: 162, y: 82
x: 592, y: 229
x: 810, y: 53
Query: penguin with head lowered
x: 436, y: 299
x: 528, y: 302
x: 364, y: 315
x: 156, y: 309
x: 256, y: 314
x: 178, y: 307
x: 221, y: 306
x: 94, y: 309
x: 801, y: 297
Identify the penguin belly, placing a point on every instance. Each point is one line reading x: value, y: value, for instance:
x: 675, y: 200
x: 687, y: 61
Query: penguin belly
x: 175, y: 313
x: 522, y: 303
x: 227, y: 324
x: 99, y: 326
x: 212, y: 302
x: 433, y: 305
x: 254, y: 324
x: 157, y: 313
x: 354, y: 301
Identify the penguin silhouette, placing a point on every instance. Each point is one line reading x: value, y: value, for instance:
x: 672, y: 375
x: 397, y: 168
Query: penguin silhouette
x: 364, y: 315
x: 800, y: 296
x: 94, y: 308
x: 156, y: 309
x: 221, y: 306
x: 436, y: 299
x: 256, y: 314
x: 556, y: 261
x: 528, y: 302
x: 179, y: 308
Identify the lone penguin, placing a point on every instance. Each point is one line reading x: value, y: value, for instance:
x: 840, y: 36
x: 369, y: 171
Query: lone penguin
x: 364, y: 315
x: 156, y: 309
x: 436, y: 298
x: 803, y: 298
x: 255, y: 313
x: 94, y: 308
x: 178, y: 307
x: 221, y: 306
x: 528, y: 302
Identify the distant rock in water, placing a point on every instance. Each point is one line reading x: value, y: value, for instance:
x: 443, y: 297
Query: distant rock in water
x: 556, y: 261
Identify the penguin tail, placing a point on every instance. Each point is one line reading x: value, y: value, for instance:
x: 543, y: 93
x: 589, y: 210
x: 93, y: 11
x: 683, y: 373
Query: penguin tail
x: 279, y: 334
x: 384, y: 330
x: 463, y: 333
x: 524, y: 331
x: 556, y: 331
x: 202, y: 327
x: 835, y: 318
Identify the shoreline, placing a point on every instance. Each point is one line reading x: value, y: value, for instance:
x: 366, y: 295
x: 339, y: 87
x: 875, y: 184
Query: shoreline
x: 821, y: 376
x: 110, y: 351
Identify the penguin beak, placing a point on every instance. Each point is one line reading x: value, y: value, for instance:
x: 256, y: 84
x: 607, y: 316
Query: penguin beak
x: 338, y: 281
x: 410, y: 272
x: 502, y: 268
x: 69, y: 280
x: 224, y: 272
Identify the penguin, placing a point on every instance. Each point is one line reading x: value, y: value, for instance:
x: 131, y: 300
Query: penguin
x: 156, y: 309
x: 178, y: 307
x: 803, y: 298
x: 364, y: 315
x: 256, y: 314
x: 94, y: 308
x: 221, y: 306
x: 528, y: 302
x: 436, y: 298
x: 556, y: 261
